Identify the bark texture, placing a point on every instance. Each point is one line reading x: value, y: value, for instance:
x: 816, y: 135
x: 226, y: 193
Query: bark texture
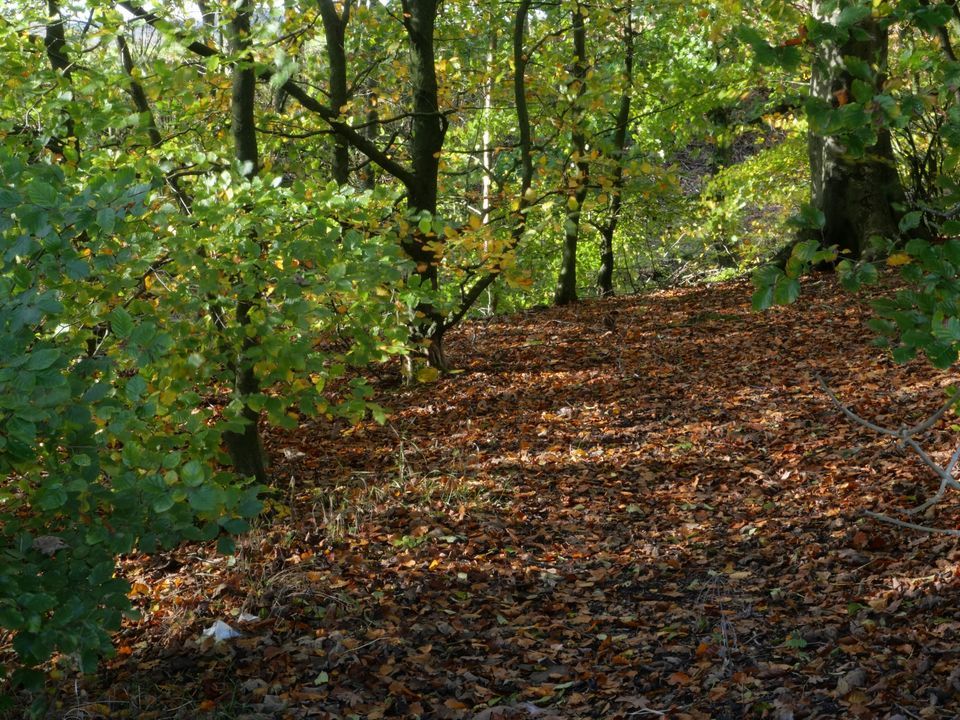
x: 856, y: 194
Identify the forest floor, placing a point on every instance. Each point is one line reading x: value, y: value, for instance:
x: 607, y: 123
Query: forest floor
x: 636, y: 508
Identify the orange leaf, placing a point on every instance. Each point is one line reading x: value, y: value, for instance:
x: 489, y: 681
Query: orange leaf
x: 679, y: 678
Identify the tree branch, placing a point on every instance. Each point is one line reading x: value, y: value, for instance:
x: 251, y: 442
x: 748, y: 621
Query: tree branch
x: 329, y: 115
x: 910, y: 525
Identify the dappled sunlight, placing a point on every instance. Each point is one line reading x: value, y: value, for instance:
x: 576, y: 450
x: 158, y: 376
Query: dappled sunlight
x: 671, y: 506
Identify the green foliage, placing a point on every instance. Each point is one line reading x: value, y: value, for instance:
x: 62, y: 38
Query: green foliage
x: 91, y: 456
x: 923, y: 316
x: 119, y: 295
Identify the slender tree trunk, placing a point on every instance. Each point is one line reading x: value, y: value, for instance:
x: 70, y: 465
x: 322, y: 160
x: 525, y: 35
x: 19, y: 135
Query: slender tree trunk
x: 334, y: 28
x: 207, y: 15
x: 429, y: 129
x: 519, y: 216
x: 486, y: 156
x: 368, y: 175
x: 609, y: 229
x: 566, y: 291
x: 520, y: 60
x: 139, y: 97
x: 245, y: 447
x: 855, y: 191
x: 55, y: 42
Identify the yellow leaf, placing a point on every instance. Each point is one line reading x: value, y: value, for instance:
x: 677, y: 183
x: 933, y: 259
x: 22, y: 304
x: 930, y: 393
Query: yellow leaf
x: 898, y: 259
x: 427, y: 374
x: 475, y: 222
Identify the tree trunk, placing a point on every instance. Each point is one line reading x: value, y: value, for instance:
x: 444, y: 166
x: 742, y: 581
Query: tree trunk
x: 518, y: 216
x: 566, y: 291
x: 609, y: 229
x: 486, y: 156
x: 429, y: 128
x: 55, y: 43
x: 855, y: 191
x: 368, y: 172
x: 334, y: 28
x: 245, y: 448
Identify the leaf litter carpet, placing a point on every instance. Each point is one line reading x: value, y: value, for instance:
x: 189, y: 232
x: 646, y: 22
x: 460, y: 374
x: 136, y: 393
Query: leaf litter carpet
x: 636, y: 508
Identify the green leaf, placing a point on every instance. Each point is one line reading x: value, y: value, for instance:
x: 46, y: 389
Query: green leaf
x: 106, y: 219
x: 904, y: 353
x: 121, y: 322
x: 235, y: 526
x: 762, y: 299
x: 806, y: 250
x: 859, y: 68
x: 43, y: 194
x: 163, y: 503
x: 136, y: 386
x: 786, y: 291
x: 911, y: 220
x: 205, y: 499
x: 766, y: 275
x: 862, y: 91
x: 192, y: 474
x: 852, y: 15
x: 226, y: 545
x: 42, y: 359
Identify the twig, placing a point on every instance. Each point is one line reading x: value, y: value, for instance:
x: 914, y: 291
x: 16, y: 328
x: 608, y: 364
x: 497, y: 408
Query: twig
x: 903, y: 433
x: 910, y: 525
x: 905, y: 436
x: 646, y: 711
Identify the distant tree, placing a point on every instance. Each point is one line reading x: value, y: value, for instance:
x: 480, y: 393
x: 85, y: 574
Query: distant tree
x: 617, y: 151
x: 578, y: 171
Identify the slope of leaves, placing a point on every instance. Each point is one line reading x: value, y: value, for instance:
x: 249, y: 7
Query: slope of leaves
x: 643, y: 507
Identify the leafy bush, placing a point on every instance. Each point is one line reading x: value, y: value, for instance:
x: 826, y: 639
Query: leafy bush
x: 117, y: 344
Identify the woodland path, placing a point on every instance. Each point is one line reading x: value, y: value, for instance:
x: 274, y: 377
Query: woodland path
x: 640, y: 507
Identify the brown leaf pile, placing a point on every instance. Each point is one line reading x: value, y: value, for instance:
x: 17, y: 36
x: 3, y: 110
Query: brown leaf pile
x: 637, y: 508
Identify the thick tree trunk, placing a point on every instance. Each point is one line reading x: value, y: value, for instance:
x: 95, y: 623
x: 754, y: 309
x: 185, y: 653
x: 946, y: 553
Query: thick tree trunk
x: 566, y: 291
x: 609, y: 229
x: 245, y: 448
x: 856, y: 193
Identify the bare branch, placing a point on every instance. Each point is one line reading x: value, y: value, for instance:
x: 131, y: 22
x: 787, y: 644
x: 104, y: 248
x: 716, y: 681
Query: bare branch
x: 910, y: 525
x: 902, y: 433
x: 852, y: 415
x: 906, y: 437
